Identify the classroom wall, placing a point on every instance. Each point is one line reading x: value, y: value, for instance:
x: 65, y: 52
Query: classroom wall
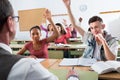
x: 80, y: 8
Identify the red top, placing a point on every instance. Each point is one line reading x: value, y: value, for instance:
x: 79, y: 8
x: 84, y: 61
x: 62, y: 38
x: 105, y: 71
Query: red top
x: 63, y: 39
x: 42, y: 52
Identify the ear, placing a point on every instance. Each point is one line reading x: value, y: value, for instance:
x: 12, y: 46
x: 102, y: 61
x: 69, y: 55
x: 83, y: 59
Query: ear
x: 10, y: 23
x: 103, y: 26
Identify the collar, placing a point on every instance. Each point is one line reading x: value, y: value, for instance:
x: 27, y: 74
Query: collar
x: 6, y: 47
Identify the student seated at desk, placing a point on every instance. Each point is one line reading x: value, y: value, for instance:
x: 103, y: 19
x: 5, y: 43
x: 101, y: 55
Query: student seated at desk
x: 36, y: 47
x: 72, y: 29
x: 64, y: 34
x: 100, y: 44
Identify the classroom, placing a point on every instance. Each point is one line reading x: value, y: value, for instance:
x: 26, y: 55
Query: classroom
x: 69, y: 35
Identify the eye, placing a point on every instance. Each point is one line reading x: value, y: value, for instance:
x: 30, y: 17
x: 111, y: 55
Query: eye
x: 91, y: 28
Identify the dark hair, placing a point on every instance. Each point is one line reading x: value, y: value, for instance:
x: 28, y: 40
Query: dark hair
x: 37, y: 27
x: 48, y: 27
x: 89, y: 29
x: 62, y: 30
x: 95, y: 18
x: 6, y: 10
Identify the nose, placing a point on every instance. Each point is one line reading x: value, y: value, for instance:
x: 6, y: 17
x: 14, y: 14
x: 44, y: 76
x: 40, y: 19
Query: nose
x: 35, y: 35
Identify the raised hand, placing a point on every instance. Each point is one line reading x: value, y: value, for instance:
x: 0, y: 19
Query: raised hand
x: 47, y: 14
x: 64, y: 22
x: 67, y: 3
x: 80, y: 19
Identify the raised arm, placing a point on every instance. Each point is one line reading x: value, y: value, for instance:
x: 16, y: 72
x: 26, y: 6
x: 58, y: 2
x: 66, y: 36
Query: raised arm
x: 55, y: 31
x: 67, y: 4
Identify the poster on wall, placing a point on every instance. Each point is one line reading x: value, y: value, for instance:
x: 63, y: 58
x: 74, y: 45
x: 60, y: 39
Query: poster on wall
x: 32, y: 17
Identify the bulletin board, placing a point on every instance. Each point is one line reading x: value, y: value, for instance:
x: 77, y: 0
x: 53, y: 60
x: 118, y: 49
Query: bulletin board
x: 29, y: 18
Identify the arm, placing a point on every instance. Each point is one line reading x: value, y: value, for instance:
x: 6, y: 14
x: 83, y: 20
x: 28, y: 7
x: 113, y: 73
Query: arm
x: 67, y: 4
x: 72, y: 75
x: 65, y: 23
x: 30, y: 69
x: 68, y: 34
x: 108, y: 52
x: 22, y: 51
x: 55, y: 31
x: 43, y: 28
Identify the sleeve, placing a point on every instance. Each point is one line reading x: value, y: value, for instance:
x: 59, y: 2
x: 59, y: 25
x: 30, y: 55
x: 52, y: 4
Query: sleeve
x: 43, y: 28
x: 38, y: 72
x: 30, y: 69
x: 114, y: 48
x: 87, y: 35
x: 27, y: 45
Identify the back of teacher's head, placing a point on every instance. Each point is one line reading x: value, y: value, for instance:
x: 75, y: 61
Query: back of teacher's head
x: 6, y: 10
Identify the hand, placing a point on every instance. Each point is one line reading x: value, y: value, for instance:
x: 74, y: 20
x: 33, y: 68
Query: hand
x: 80, y: 19
x: 67, y: 3
x: 99, y: 38
x: 72, y: 73
x: 47, y: 14
x: 64, y: 22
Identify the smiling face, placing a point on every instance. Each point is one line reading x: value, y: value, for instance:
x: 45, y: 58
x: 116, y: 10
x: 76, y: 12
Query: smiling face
x: 35, y: 34
x: 96, y: 27
x: 50, y: 27
x: 58, y: 28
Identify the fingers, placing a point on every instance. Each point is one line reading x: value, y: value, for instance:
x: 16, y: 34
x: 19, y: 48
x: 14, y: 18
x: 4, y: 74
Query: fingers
x: 47, y: 14
x: 67, y: 2
x: 99, y: 37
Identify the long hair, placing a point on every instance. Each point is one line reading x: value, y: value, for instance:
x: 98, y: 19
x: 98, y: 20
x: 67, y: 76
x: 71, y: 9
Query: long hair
x: 62, y: 29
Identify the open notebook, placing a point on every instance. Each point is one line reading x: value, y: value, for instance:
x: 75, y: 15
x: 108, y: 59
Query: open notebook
x: 102, y: 67
x: 77, y: 62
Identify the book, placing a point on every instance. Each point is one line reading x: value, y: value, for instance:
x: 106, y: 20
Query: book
x: 102, y: 67
x: 77, y: 62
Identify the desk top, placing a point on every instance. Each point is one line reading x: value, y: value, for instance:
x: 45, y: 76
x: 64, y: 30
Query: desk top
x: 53, y: 64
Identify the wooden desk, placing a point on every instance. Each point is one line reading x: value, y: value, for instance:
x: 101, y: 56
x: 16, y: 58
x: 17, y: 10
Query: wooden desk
x: 54, y: 47
x: 47, y: 63
x: 54, y: 64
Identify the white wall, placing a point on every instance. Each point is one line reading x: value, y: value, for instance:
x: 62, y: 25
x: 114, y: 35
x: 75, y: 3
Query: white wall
x: 78, y: 9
